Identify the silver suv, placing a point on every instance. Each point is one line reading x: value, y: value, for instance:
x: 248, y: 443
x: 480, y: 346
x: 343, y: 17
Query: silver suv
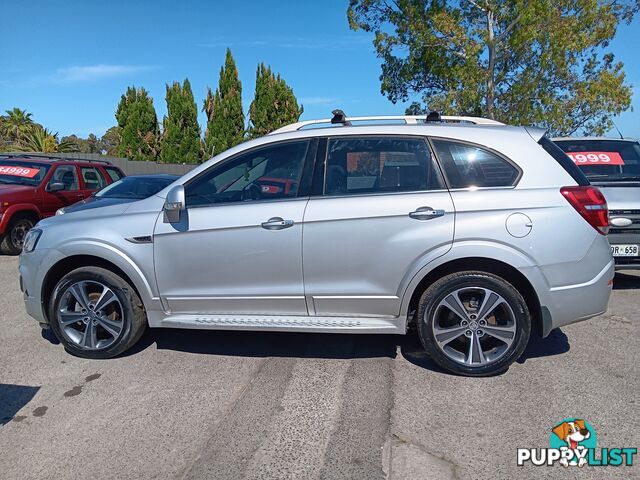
x: 475, y: 232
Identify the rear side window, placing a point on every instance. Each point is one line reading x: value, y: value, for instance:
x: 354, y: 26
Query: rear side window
x: 114, y: 173
x: 93, y: 178
x: 469, y: 166
x: 379, y: 164
x: 564, y: 161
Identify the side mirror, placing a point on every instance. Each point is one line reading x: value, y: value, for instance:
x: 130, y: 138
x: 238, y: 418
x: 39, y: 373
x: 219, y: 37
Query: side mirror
x: 54, y: 186
x: 174, y: 204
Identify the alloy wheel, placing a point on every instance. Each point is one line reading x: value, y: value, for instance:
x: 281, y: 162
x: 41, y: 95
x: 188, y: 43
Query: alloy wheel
x: 474, y: 326
x: 90, y: 315
x: 18, y: 232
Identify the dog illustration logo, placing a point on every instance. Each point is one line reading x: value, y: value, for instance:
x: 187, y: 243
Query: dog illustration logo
x: 573, y: 437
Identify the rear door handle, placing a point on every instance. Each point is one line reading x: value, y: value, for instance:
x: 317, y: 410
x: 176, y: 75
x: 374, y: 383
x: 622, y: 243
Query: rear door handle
x: 277, y: 223
x: 426, y: 213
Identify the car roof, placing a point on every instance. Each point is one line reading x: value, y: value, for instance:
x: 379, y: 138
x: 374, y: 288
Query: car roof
x: 45, y: 159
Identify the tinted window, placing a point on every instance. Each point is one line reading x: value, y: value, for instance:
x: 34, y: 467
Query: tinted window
x: 135, y: 187
x: 373, y: 165
x: 114, y: 174
x: 604, y: 160
x: 468, y: 166
x: 67, y: 175
x: 267, y: 173
x: 93, y: 178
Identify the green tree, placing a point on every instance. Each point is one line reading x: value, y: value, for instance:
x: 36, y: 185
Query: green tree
x: 225, y: 125
x: 537, y: 62
x: 273, y: 105
x: 138, y: 125
x: 181, y: 132
x: 15, y: 123
x: 39, y: 139
x: 110, y: 141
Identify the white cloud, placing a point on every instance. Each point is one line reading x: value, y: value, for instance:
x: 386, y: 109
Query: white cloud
x: 91, y: 73
x: 319, y: 100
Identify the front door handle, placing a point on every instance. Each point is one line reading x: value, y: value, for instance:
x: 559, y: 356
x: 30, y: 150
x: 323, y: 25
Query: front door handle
x: 426, y: 213
x: 277, y: 223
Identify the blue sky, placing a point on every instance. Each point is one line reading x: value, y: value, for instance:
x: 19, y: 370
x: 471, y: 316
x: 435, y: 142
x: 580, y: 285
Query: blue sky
x: 68, y: 62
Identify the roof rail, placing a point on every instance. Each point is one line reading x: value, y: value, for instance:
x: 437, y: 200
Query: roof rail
x: 53, y: 157
x: 408, y: 120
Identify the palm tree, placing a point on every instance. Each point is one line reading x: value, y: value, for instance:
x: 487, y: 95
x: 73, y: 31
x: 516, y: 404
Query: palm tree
x: 40, y: 139
x: 15, y: 123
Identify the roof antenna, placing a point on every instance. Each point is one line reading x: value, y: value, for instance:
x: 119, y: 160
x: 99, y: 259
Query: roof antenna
x: 339, y: 117
x: 434, y: 117
x: 617, y: 129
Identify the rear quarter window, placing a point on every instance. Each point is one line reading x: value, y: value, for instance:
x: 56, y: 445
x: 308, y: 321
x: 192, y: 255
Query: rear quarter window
x: 114, y: 173
x: 471, y: 166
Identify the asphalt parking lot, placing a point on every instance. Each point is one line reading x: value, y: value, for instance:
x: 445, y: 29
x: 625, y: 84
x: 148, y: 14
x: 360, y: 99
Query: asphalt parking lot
x: 230, y: 405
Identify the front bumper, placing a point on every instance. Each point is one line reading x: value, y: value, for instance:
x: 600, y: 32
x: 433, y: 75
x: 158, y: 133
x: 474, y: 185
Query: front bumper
x: 33, y: 268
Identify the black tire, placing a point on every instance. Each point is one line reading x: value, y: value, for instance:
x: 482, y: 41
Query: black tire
x: 11, y: 243
x: 441, y: 289
x: 134, y: 318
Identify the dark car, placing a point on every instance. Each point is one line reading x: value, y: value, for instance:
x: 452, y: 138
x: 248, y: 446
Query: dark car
x: 125, y: 190
x: 35, y: 187
x: 613, y: 165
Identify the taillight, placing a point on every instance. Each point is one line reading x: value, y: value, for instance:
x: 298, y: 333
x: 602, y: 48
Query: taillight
x: 591, y: 204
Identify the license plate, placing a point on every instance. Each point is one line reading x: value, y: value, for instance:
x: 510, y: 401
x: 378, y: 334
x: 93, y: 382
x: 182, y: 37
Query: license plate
x: 625, y: 250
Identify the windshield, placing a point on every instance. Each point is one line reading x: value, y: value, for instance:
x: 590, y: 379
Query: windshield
x: 605, y: 160
x: 135, y: 188
x: 14, y: 172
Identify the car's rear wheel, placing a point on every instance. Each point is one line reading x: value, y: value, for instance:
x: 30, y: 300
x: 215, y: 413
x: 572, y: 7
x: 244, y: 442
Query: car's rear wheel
x: 95, y: 313
x: 13, y: 238
x: 473, y: 323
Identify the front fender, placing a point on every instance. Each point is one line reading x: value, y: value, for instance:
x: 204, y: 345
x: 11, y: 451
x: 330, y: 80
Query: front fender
x: 120, y: 259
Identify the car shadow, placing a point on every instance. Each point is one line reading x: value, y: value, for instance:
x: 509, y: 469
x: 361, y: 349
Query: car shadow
x: 627, y: 280
x: 319, y: 345
x: 269, y: 344
x: 12, y: 399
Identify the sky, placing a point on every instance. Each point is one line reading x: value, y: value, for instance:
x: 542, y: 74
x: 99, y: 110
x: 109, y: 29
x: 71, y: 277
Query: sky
x: 68, y: 62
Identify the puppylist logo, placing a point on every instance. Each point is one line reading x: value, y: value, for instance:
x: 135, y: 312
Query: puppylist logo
x: 572, y: 443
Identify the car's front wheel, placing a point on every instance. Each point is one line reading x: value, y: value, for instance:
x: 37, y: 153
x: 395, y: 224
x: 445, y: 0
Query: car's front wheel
x: 13, y: 239
x: 473, y: 323
x: 95, y: 313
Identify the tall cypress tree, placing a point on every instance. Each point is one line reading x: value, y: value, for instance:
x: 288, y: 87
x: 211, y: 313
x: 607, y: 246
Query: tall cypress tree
x: 181, y: 132
x: 225, y: 126
x: 274, y: 103
x: 138, y: 124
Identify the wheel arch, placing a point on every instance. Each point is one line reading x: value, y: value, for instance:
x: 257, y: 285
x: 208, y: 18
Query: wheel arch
x: 19, y: 210
x: 488, y: 265
x: 67, y: 264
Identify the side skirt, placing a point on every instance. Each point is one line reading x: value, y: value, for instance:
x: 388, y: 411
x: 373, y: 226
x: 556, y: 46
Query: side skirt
x: 280, y: 323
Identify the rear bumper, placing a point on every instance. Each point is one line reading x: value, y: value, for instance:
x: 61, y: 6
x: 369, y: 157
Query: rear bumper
x: 573, y: 303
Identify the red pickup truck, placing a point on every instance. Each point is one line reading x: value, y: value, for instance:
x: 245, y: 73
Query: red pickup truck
x: 34, y: 187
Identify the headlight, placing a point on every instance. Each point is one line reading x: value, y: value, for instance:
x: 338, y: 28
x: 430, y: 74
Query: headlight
x: 31, y: 239
x: 60, y: 211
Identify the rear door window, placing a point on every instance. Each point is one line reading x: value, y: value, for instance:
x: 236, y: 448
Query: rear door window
x: 379, y: 164
x: 470, y: 166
